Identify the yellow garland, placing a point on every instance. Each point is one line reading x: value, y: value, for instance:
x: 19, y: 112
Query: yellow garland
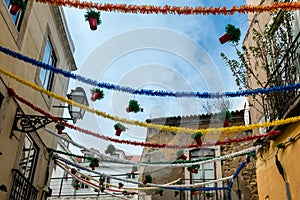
x: 167, y: 9
x: 150, y: 125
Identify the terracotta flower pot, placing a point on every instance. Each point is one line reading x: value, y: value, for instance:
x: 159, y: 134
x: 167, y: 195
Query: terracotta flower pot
x: 95, y: 95
x: 93, y: 23
x: 145, y: 182
x: 59, y: 130
x: 224, y: 38
x: 14, y: 9
x: 101, y: 182
x: 118, y: 132
x: 128, y: 109
x: 226, y: 123
x: 199, y: 141
x: 183, y: 157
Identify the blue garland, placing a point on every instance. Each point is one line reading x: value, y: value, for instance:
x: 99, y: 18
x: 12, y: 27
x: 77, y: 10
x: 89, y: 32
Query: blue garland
x: 236, y: 173
x: 148, y: 92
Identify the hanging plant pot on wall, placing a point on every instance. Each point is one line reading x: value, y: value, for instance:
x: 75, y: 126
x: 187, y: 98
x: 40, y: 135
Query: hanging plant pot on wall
x: 197, y: 137
x: 224, y: 115
x: 93, y: 17
x: 232, y: 34
x: 16, y: 6
x: 60, y: 128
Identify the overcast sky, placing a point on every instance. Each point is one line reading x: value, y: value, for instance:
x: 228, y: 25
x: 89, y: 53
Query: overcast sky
x: 164, y: 52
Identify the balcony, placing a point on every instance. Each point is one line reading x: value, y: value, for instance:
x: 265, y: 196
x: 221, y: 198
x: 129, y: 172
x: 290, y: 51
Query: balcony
x: 22, y: 188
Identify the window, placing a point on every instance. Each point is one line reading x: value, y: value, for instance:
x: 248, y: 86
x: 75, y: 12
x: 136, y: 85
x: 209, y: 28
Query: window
x: 28, y: 159
x: 47, y: 76
x: 206, y: 172
x: 18, y: 18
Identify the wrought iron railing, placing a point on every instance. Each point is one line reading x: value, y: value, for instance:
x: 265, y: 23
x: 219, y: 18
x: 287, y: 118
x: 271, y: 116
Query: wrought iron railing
x: 22, y: 188
x: 287, y: 72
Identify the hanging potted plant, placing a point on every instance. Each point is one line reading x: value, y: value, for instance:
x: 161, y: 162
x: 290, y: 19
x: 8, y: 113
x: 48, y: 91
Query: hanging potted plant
x: 194, y: 169
x: 226, y: 116
x: 94, y: 163
x: 148, y: 179
x: 60, y: 128
x: 93, y: 17
x: 101, y: 180
x: 76, y: 184
x: 232, y: 34
x: 16, y: 5
x: 134, y: 169
x: 133, y: 106
x: 124, y: 192
x: 176, y: 193
x: 160, y: 192
x: 102, y: 188
x: 97, y: 94
x: 197, y: 137
x: 119, y: 128
x: 207, y: 195
x: 180, y: 155
x: 73, y: 171
x: 120, y: 185
x: 193, y: 191
x: 110, y: 149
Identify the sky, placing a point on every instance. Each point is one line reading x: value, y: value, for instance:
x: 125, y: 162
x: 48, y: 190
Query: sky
x: 161, y: 52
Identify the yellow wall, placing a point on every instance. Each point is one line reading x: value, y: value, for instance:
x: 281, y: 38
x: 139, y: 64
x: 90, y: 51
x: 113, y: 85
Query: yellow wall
x: 39, y: 22
x: 270, y: 182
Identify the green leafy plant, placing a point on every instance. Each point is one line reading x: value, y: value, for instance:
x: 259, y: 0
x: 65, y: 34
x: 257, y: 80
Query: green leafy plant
x: 180, y: 153
x: 60, y: 126
x: 20, y: 3
x: 134, y: 106
x: 120, y: 126
x: 110, y: 149
x: 93, y: 14
x: 233, y: 32
x: 197, y: 135
x: 224, y: 114
x: 134, y: 169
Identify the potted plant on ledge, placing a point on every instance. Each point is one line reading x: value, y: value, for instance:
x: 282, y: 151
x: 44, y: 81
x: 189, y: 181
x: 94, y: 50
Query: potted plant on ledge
x: 17, y: 5
x: 232, y: 34
x: 119, y: 128
x: 93, y: 17
x: 96, y: 94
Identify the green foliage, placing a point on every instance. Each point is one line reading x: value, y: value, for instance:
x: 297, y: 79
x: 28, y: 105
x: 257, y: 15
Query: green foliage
x: 148, y: 178
x: 180, y: 153
x: 197, y: 135
x: 21, y: 3
x: 101, y: 93
x: 134, y: 168
x: 110, y: 149
x: 224, y: 114
x: 93, y: 14
x: 233, y: 32
x: 58, y: 125
x: 120, y: 126
x: 134, y: 106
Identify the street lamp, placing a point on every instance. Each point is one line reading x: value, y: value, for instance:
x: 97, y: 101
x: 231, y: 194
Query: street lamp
x: 79, y: 96
x: 29, y: 123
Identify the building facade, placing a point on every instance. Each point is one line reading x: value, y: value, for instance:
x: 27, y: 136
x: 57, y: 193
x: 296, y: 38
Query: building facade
x: 277, y: 177
x: 245, y: 188
x: 39, y: 32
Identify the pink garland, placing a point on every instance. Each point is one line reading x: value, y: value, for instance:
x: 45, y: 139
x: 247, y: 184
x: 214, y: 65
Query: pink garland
x: 136, y: 143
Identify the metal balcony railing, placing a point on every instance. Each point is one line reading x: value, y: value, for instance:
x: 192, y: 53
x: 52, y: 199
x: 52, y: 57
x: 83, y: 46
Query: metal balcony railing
x: 22, y: 188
